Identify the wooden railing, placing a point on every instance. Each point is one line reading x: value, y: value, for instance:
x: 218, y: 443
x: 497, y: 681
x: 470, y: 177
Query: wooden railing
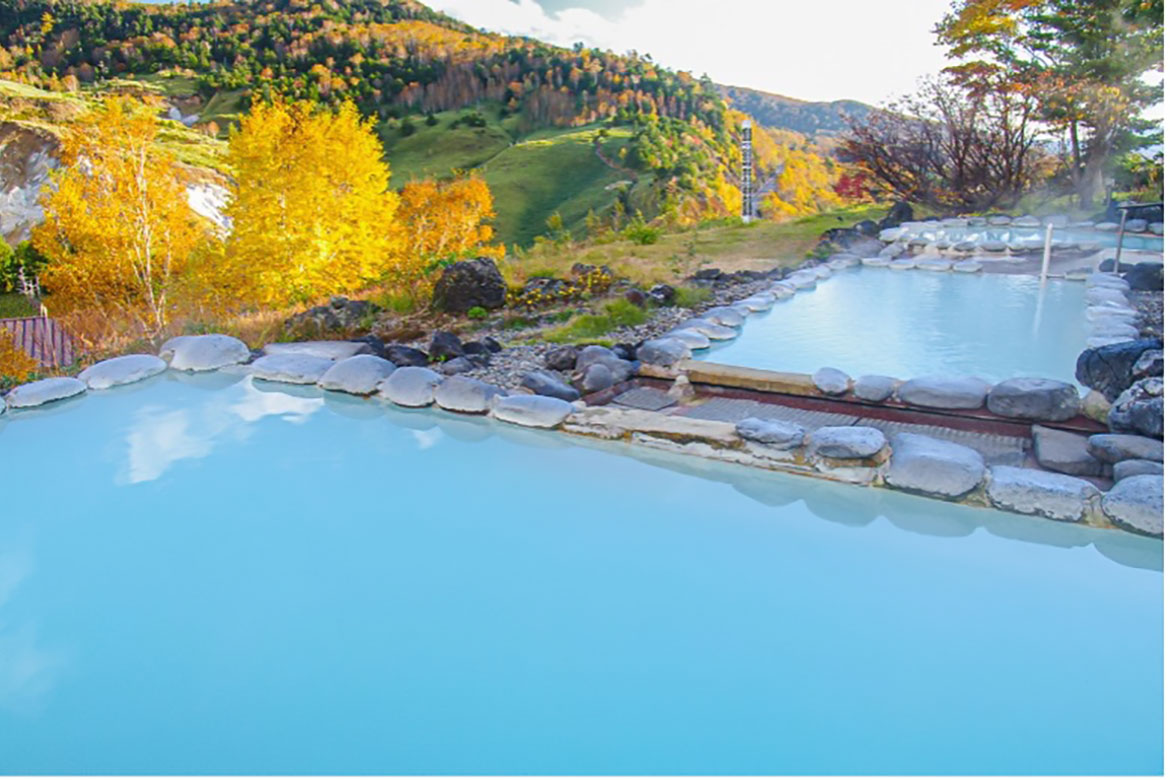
x: 42, y: 338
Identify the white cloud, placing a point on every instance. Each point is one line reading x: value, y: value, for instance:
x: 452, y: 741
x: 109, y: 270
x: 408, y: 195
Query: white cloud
x: 827, y: 50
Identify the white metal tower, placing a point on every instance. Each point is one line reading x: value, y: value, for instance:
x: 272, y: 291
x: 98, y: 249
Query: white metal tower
x: 745, y: 145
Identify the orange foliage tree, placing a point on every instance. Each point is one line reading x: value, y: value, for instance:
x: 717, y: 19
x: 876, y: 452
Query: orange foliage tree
x: 118, y: 232
x: 442, y: 221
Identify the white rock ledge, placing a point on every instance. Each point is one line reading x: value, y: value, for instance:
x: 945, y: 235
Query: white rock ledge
x: 204, y: 353
x: 44, y: 391
x: 121, y: 370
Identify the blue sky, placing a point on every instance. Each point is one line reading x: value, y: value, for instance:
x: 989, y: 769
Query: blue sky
x: 862, y: 49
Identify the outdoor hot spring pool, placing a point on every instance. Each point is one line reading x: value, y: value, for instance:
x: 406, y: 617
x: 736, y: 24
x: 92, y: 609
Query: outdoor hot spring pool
x: 206, y: 574
x: 911, y: 323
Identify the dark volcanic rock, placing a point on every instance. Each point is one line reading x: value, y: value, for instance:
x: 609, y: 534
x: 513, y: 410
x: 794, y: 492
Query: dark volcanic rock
x: 470, y: 283
x: 1139, y: 409
x: 1145, y: 277
x: 662, y: 294
x: 562, y: 358
x: 340, y: 314
x: 402, y: 355
x: 900, y: 212
x: 445, y: 346
x: 1110, y: 369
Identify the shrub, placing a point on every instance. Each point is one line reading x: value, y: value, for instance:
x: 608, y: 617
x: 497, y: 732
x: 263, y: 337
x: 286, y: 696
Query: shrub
x: 16, y: 365
x: 477, y: 313
x: 689, y: 297
x: 642, y: 234
x: 619, y: 313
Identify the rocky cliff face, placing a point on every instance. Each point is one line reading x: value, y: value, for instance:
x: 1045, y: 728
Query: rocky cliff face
x: 27, y: 155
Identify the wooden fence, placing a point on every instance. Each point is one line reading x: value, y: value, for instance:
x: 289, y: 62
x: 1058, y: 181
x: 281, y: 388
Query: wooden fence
x: 42, y: 338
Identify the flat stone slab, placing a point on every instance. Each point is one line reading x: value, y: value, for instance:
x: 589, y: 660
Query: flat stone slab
x: 933, y: 265
x: 944, y: 392
x: 874, y: 387
x: 464, y: 394
x: 331, y: 350
x: 533, y: 411
x: 922, y: 464
x: 780, y: 434
x: 1114, y: 447
x: 357, y: 375
x: 1136, y: 504
x: 901, y: 265
x: 1065, y: 451
x: 204, y: 353
x: 846, y: 441
x: 1034, y: 492
x: 615, y: 422
x: 412, y: 386
x: 831, y: 381
x: 291, y: 368
x: 1035, y: 399
x: 122, y: 370
x: 876, y: 262
x: 968, y: 266
x: 44, y: 391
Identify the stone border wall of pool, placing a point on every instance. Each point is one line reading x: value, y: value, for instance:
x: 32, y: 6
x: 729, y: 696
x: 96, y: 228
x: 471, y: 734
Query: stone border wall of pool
x: 858, y: 455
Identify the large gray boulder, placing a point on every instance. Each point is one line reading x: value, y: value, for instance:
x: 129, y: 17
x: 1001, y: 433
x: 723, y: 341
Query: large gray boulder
x: 330, y: 350
x: 923, y: 464
x: 944, y: 392
x: 831, y: 381
x: 293, y: 369
x: 1132, y: 468
x: 121, y: 370
x: 846, y: 441
x: 1035, y: 399
x: 874, y: 387
x: 663, y: 352
x: 470, y: 283
x: 1065, y: 451
x: 1140, y: 409
x: 1114, y: 447
x: 691, y: 337
x: 410, y: 386
x: 779, y: 434
x: 1034, y: 492
x: 44, y: 391
x: 357, y: 375
x: 204, y: 353
x: 597, y: 377
x: 598, y: 355
x: 533, y: 411
x: 724, y: 315
x: 549, y: 384
x: 467, y: 395
x: 1136, y: 504
x: 712, y: 330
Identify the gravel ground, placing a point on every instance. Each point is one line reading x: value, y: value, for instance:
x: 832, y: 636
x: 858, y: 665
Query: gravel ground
x: 1150, y: 307
x: 508, y: 367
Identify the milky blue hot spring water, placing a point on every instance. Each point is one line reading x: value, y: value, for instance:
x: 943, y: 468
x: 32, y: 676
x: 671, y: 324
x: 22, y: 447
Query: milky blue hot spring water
x: 911, y: 323
x: 206, y: 574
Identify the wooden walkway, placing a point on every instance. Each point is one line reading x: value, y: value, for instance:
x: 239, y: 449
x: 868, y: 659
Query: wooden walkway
x: 42, y: 338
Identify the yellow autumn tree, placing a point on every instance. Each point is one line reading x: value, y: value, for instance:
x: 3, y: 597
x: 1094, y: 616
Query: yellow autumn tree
x: 118, y: 232
x: 439, y: 221
x: 311, y: 212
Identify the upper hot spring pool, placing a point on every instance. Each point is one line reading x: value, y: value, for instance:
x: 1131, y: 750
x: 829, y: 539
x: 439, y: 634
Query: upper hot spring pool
x: 910, y: 323
x: 203, y: 575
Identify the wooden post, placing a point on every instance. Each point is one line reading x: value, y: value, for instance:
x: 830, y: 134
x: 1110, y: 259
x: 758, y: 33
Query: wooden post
x: 1120, y: 236
x: 1047, y: 254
